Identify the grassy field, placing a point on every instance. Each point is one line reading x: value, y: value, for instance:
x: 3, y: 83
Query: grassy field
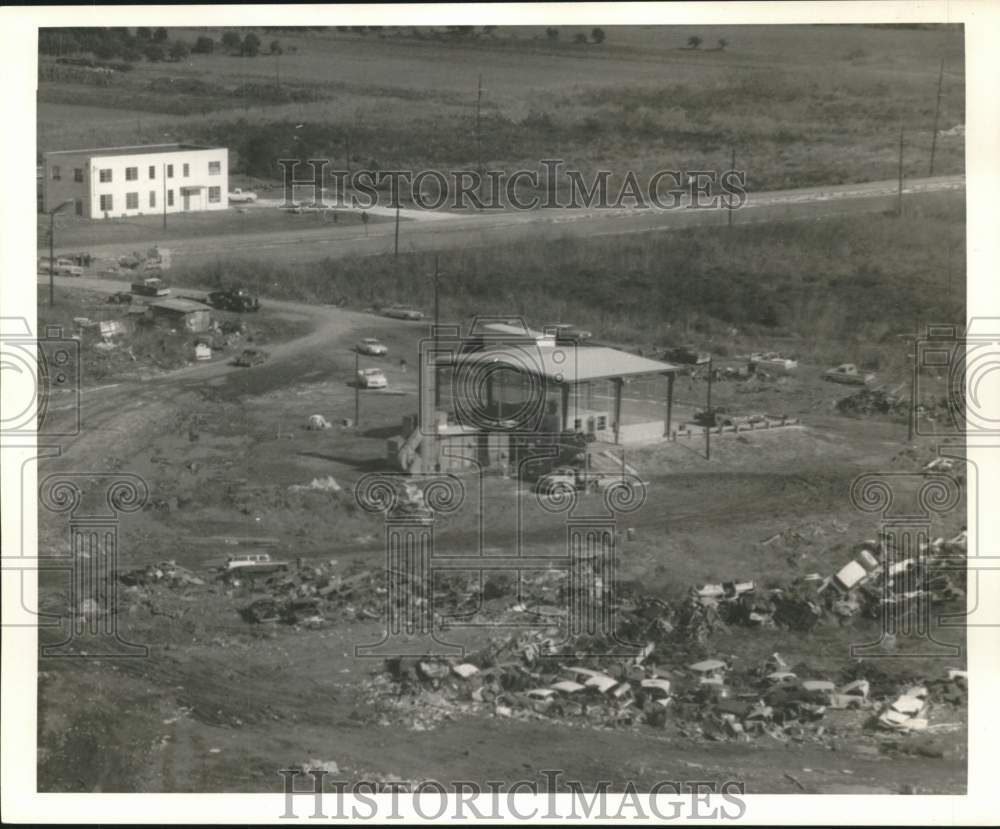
x: 830, y: 290
x: 800, y: 105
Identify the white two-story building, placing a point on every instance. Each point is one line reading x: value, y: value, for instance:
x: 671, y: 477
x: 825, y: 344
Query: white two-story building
x: 133, y: 181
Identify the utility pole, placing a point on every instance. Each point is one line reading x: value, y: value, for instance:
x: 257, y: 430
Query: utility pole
x: 395, y: 251
x: 732, y: 168
x: 899, y: 198
x: 357, y: 389
x: 709, y: 415
x: 52, y: 261
x: 937, y: 115
x: 437, y: 328
x: 52, y: 253
x: 479, y: 135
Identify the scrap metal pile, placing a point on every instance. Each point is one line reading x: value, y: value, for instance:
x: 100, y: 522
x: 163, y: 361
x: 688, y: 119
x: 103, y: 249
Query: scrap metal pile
x: 531, y: 676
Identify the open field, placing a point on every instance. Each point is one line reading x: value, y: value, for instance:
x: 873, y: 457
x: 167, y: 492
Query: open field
x: 637, y: 101
x: 796, y: 282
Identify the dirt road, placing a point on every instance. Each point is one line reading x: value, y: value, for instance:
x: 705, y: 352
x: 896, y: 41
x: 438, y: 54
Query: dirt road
x: 479, y: 229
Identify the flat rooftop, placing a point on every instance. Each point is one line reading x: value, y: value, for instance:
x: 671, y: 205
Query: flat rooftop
x: 139, y: 149
x: 568, y: 364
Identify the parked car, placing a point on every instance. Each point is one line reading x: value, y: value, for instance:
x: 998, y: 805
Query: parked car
x: 153, y: 286
x: 848, y: 374
x: 687, y: 355
x: 372, y: 378
x: 255, y: 562
x: 370, y: 345
x: 401, y: 312
x: 120, y: 298
x: 250, y: 357
x: 566, y: 333
x: 564, y: 478
x: 238, y: 196
x: 61, y: 267
x: 236, y: 299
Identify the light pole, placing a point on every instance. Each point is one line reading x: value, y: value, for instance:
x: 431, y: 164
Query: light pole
x: 52, y: 246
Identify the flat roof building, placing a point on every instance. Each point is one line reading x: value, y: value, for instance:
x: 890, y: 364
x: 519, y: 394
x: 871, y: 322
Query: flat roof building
x: 112, y: 182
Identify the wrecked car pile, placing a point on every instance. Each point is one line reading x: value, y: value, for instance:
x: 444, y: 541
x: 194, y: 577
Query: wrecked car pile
x: 868, y: 402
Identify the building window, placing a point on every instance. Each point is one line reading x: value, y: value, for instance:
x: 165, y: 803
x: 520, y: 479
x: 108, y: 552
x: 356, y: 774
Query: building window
x: 170, y: 171
x: 77, y: 174
x: 215, y: 168
x: 214, y: 195
x: 56, y: 175
x: 187, y: 170
x: 170, y: 198
x: 152, y: 198
x: 152, y: 172
x: 105, y: 176
x: 131, y: 174
x: 602, y: 423
x: 107, y: 203
x: 131, y: 201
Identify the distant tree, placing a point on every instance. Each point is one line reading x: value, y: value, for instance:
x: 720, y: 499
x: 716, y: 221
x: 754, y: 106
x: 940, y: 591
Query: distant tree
x: 144, y: 33
x: 489, y: 30
x: 694, y: 42
x: 154, y: 53
x: 107, y: 50
x: 231, y: 41
x: 179, y: 50
x: 132, y: 54
x: 723, y: 43
x: 276, y: 48
x: 579, y: 37
x: 597, y: 35
x: 160, y: 35
x: 203, y: 45
x: 250, y: 46
x: 552, y: 33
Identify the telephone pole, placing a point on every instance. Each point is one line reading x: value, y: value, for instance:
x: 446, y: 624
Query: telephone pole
x: 732, y: 168
x: 899, y: 197
x: 357, y: 388
x: 709, y: 415
x: 937, y: 115
x: 437, y: 328
x: 479, y: 135
x: 395, y: 251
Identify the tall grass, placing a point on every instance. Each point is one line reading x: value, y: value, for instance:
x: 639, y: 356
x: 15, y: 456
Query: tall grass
x: 845, y: 282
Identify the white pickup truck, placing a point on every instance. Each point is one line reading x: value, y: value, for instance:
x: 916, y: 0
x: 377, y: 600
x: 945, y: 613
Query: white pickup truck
x: 238, y: 196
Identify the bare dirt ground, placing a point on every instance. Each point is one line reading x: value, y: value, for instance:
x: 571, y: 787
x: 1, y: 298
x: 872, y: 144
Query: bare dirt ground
x: 221, y: 704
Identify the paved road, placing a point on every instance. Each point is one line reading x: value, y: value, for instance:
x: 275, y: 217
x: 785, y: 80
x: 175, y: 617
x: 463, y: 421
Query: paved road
x: 479, y: 229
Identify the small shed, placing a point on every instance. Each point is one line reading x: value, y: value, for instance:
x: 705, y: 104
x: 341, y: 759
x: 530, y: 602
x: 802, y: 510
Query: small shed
x: 182, y: 313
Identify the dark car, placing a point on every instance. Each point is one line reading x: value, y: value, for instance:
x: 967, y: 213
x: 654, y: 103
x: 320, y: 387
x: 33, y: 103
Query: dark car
x: 250, y: 357
x: 234, y: 300
x: 687, y: 355
x: 120, y: 298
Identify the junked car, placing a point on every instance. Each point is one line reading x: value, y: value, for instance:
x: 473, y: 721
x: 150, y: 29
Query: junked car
x: 372, y: 347
x: 848, y: 374
x: 60, y: 267
x: 403, y: 312
x: 372, y: 378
